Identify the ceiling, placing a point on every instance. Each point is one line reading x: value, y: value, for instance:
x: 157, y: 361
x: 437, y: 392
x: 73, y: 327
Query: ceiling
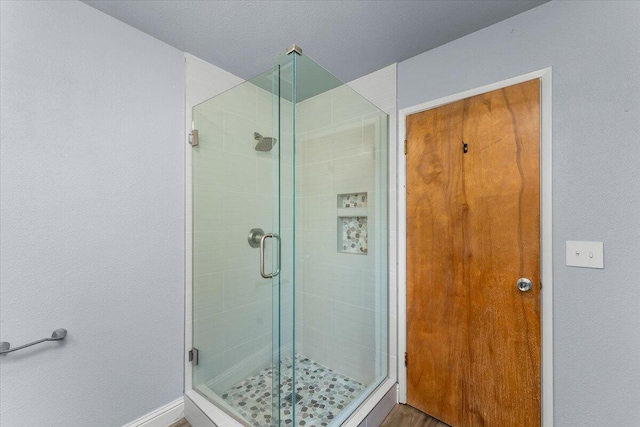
x: 348, y: 38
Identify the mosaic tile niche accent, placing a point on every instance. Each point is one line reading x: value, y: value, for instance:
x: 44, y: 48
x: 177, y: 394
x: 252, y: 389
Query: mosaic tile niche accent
x: 354, y: 235
x: 352, y: 223
x: 355, y: 200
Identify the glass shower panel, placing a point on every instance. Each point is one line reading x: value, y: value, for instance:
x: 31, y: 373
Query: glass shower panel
x: 235, y: 309
x: 340, y: 245
x: 283, y: 88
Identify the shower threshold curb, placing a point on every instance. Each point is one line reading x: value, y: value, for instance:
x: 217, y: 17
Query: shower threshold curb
x: 200, y: 412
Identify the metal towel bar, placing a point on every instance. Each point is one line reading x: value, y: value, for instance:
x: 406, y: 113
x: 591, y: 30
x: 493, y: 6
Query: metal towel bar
x: 57, y: 335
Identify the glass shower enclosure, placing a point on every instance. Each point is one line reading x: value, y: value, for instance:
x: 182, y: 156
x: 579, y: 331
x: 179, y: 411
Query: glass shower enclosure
x: 289, y: 248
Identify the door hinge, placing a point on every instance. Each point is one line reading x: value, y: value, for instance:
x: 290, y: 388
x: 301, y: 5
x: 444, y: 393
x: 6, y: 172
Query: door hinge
x: 193, y: 137
x: 406, y: 359
x: 405, y: 147
x: 193, y: 356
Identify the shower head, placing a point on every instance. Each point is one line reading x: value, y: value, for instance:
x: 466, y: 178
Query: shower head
x: 264, y: 143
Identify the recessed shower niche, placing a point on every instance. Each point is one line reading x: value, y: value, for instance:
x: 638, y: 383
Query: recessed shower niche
x: 289, y: 331
x: 352, y: 223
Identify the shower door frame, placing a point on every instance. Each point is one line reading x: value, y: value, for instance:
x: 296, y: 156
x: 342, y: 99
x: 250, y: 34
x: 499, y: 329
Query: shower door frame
x: 200, y: 86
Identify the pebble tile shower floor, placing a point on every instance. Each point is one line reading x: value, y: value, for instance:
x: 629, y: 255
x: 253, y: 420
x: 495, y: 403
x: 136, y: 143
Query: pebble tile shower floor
x: 323, y: 394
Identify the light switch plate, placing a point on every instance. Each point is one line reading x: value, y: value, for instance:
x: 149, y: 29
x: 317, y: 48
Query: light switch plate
x: 585, y: 254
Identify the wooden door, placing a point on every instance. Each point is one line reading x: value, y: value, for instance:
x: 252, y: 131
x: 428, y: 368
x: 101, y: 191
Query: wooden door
x: 473, y: 229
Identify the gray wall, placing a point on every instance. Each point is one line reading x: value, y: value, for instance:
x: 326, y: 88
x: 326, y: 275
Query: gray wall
x: 92, y: 205
x: 594, y: 48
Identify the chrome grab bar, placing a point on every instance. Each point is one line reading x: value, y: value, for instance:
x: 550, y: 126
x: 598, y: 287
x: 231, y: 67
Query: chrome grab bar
x: 262, y: 240
x: 57, y: 335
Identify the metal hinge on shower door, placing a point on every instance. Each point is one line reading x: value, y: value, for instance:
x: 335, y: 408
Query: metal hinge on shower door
x: 193, y: 137
x: 193, y: 356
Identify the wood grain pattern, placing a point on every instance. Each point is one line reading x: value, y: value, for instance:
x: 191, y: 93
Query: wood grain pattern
x: 473, y: 339
x: 405, y: 416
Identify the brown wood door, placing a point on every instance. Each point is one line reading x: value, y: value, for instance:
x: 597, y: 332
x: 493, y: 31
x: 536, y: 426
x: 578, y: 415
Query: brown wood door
x: 473, y: 229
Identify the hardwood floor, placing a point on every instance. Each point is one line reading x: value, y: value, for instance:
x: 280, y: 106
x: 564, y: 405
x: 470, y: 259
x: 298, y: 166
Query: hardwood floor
x: 406, y: 416
x: 400, y: 416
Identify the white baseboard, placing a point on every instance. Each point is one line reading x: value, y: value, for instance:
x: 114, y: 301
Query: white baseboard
x: 162, y: 417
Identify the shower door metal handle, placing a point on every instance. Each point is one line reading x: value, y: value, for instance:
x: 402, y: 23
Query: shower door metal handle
x: 262, y: 242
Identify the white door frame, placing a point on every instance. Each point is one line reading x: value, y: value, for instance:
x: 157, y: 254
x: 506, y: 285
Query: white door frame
x: 546, y: 248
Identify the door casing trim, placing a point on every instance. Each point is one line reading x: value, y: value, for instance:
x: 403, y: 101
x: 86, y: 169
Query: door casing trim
x: 546, y: 231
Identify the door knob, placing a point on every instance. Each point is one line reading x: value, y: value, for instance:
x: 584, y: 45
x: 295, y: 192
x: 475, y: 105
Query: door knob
x: 524, y: 284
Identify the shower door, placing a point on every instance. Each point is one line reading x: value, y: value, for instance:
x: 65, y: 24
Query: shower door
x: 237, y: 253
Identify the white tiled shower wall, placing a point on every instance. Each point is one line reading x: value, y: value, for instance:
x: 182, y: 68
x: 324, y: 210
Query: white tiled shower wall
x: 380, y: 88
x: 338, y: 295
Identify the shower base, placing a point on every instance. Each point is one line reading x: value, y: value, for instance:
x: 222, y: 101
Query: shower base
x: 321, y: 394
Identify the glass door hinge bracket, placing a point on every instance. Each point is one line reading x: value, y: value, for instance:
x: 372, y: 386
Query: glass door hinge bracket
x: 193, y: 137
x: 193, y: 356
